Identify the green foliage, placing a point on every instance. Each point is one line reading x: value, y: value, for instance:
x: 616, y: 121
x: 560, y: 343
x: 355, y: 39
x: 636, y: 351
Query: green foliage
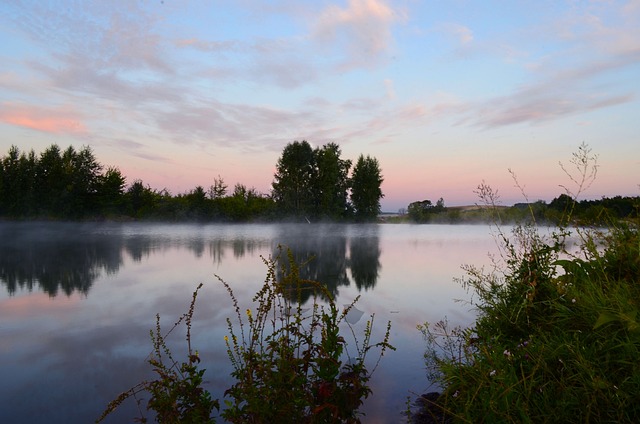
x: 83, y: 176
x: 601, y: 212
x: 110, y: 191
x: 72, y: 184
x: 314, y: 184
x: 365, y: 188
x: 18, y: 182
x: 177, y: 395
x: 56, y: 184
x: 564, y: 210
x: 218, y: 189
x: 294, y: 180
x: 557, y: 334
x: 333, y: 182
x: 290, y: 364
x: 585, y: 212
x: 51, y: 181
x: 140, y: 199
x: 424, y: 210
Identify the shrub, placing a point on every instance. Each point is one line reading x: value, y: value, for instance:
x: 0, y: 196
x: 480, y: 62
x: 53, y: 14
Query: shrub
x: 177, y: 396
x: 557, y: 336
x: 290, y: 364
x: 557, y: 339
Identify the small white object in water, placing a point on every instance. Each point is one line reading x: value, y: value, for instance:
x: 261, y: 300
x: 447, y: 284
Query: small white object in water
x: 353, y: 315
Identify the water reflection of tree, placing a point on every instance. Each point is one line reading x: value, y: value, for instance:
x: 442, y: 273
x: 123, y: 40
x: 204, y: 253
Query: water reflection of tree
x: 321, y: 252
x: 67, y: 257
x: 242, y: 246
x: 364, y: 261
x: 139, y: 247
x: 239, y: 247
x: 55, y: 257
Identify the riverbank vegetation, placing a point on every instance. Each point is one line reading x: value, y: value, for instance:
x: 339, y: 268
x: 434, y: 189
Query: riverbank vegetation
x: 557, y: 334
x: 289, y: 364
x: 309, y: 185
x: 585, y: 212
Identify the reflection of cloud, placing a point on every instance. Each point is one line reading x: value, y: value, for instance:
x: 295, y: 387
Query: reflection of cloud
x: 35, y: 304
x: 58, y: 121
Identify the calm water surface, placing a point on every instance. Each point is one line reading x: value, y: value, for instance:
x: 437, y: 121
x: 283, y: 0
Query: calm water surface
x: 77, y: 302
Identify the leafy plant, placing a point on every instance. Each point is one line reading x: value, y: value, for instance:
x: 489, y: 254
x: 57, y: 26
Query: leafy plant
x: 291, y: 364
x: 177, y: 395
x: 557, y: 334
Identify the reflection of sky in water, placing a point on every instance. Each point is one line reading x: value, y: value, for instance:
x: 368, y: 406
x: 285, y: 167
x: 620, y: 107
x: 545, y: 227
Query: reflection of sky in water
x: 64, y: 357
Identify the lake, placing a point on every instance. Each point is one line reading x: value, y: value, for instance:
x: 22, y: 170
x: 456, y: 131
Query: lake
x: 77, y: 302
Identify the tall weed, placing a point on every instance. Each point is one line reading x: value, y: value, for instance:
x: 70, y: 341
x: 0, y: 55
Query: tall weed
x: 177, y: 395
x: 557, y: 335
x: 290, y: 364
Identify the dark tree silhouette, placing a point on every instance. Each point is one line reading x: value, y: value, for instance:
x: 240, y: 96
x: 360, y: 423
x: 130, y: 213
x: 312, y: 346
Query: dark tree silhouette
x: 366, y: 192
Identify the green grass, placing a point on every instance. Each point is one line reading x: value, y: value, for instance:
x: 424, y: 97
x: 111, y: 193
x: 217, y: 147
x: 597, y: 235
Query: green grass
x: 557, y: 337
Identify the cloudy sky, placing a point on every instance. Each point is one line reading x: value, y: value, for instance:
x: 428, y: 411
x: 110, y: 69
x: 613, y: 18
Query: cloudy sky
x: 445, y: 94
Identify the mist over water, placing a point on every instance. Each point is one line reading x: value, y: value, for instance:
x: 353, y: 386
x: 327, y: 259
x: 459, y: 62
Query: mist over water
x: 77, y: 301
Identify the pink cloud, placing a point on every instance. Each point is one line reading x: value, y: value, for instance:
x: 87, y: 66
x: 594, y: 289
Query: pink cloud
x: 365, y: 25
x: 57, y: 121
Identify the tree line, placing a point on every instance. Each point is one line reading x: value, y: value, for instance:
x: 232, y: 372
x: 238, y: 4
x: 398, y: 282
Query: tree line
x: 316, y: 184
x: 309, y: 184
x: 584, y: 212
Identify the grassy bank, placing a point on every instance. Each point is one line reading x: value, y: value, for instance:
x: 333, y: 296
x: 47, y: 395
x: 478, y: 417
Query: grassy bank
x: 557, y: 338
x: 557, y: 335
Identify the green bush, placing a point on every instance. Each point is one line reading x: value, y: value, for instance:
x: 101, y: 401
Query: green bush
x: 291, y: 366
x: 557, y: 335
x: 557, y: 338
x: 176, y: 396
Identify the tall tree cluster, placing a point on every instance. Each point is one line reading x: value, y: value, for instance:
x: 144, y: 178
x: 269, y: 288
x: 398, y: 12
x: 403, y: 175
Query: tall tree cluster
x: 60, y: 184
x: 365, y: 188
x: 71, y: 184
x: 316, y: 184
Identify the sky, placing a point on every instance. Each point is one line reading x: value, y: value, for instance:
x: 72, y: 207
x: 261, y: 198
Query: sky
x: 446, y: 95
